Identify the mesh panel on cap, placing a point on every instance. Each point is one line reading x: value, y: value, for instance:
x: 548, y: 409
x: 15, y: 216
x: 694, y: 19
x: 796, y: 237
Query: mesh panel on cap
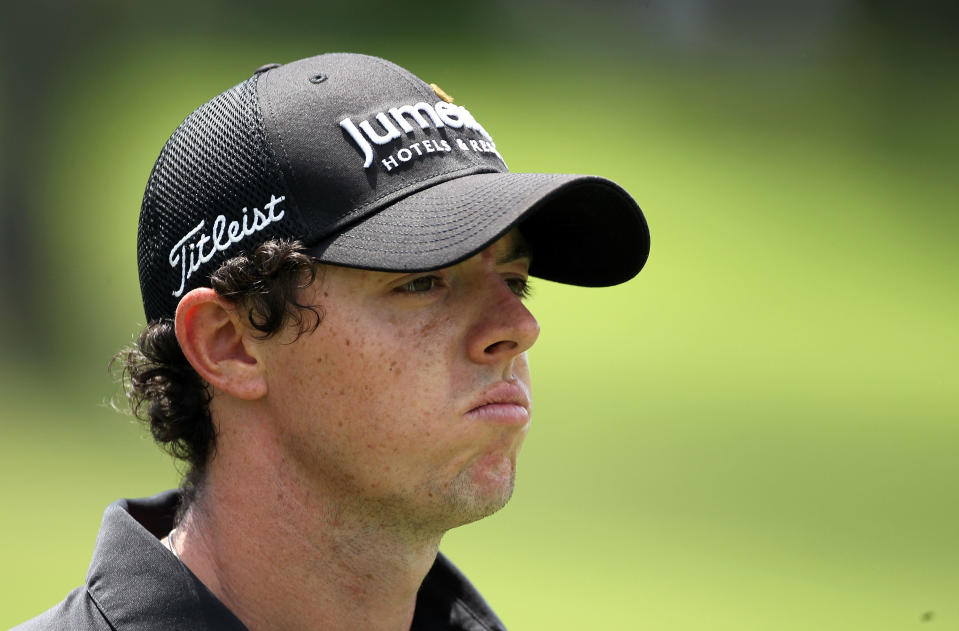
x: 215, y: 163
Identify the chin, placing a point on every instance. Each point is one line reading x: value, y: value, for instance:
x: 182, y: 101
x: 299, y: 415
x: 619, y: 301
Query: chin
x: 481, y: 492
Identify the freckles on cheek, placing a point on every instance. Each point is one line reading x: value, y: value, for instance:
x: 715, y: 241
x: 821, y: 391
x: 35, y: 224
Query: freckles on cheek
x: 426, y: 329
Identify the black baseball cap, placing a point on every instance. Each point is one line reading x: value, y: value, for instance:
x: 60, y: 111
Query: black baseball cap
x: 369, y: 167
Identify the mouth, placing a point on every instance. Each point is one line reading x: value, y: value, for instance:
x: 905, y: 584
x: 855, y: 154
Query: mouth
x: 506, y: 403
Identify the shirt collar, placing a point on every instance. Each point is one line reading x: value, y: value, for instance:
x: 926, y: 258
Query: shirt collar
x: 138, y: 584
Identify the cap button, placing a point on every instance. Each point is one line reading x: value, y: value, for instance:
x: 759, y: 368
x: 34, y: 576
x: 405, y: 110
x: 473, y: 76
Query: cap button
x: 265, y: 67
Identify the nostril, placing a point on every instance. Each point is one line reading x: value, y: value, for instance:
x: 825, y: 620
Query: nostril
x: 497, y: 347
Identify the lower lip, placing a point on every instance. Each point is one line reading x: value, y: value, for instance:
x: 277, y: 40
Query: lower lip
x: 502, y: 413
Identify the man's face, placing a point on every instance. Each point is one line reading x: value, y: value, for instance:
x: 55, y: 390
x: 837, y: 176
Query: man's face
x: 411, y: 398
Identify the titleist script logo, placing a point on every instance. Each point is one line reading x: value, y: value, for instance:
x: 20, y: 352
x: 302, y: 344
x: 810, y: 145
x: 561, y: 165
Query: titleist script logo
x: 197, y: 248
x: 442, y: 114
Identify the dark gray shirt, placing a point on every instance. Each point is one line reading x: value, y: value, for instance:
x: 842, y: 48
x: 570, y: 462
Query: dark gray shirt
x: 136, y: 584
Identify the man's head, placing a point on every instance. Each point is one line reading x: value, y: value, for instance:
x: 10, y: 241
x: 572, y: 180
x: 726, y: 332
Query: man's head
x: 403, y: 374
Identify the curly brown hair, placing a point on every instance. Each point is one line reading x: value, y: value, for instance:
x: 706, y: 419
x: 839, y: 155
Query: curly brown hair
x: 164, y: 390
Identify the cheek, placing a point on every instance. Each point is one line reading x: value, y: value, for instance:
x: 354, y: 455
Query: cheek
x: 371, y: 389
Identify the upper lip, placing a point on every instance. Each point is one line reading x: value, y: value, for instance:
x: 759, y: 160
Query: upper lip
x: 512, y: 392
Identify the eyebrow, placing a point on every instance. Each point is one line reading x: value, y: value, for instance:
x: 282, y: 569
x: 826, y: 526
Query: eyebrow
x: 518, y: 250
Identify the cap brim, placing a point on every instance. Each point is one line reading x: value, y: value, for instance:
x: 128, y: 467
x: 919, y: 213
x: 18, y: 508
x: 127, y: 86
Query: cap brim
x: 582, y: 230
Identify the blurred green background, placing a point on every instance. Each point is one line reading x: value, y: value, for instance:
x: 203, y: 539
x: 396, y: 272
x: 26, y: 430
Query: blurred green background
x: 759, y: 432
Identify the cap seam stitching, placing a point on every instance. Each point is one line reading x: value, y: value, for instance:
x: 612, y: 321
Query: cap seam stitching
x: 279, y: 134
x: 459, y: 227
x: 465, y: 233
x: 452, y: 216
x: 405, y: 191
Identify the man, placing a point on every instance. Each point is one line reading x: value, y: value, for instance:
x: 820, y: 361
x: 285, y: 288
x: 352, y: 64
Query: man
x: 333, y: 260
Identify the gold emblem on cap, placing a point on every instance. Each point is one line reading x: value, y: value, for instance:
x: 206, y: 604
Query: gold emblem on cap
x: 439, y: 92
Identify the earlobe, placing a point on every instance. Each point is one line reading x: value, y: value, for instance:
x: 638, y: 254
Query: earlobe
x: 217, y: 345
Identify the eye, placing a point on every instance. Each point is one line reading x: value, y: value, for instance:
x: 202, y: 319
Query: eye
x: 519, y: 286
x: 419, y: 285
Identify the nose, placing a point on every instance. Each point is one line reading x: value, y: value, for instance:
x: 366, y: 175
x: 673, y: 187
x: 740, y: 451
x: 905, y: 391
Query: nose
x: 504, y: 327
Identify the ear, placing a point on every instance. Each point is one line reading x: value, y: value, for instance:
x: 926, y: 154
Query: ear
x: 217, y: 344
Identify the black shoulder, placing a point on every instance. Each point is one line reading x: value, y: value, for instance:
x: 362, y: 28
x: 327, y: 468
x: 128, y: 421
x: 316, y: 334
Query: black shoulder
x: 77, y: 612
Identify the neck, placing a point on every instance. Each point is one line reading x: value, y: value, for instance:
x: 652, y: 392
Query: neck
x: 282, y: 556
